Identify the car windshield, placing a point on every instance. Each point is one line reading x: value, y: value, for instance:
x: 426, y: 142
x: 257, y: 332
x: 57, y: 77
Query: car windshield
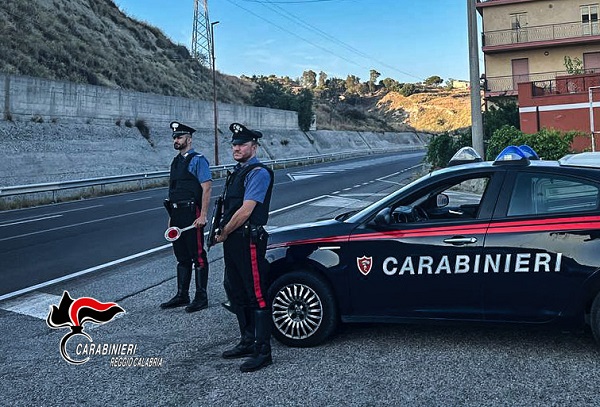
x: 361, y: 215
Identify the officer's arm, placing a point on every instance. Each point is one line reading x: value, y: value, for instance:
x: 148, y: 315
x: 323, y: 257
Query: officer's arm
x: 206, y: 191
x: 238, y: 219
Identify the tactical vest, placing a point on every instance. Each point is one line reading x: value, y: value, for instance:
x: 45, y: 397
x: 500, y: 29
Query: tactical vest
x: 234, y: 197
x: 183, y: 185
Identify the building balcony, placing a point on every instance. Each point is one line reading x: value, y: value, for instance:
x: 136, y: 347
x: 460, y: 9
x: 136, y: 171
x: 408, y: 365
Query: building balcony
x: 495, y: 86
x: 542, y: 36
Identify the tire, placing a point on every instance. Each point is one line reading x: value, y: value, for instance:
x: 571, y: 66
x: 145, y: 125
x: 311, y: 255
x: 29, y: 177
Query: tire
x: 595, y: 318
x: 303, y: 309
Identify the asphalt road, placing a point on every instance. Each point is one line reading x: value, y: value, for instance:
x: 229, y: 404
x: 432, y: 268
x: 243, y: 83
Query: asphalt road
x: 53, y: 242
x: 362, y: 365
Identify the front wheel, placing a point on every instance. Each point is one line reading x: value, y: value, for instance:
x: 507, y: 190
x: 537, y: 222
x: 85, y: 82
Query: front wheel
x: 303, y: 309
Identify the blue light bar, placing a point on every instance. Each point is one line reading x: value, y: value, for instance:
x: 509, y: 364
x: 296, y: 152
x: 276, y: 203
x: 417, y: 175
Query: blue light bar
x: 529, y: 152
x: 511, y: 153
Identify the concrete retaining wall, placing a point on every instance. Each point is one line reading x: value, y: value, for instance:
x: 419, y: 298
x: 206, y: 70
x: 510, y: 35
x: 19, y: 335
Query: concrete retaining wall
x: 61, y: 131
x: 27, y: 98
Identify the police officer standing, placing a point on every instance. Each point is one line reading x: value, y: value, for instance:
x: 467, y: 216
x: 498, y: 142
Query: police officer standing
x: 245, y: 212
x: 190, y: 185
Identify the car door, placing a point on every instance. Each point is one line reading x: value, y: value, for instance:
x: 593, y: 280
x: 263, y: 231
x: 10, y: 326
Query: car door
x: 421, y: 263
x: 540, y: 247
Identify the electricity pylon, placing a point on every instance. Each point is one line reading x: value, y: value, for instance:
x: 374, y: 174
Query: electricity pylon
x: 201, y: 39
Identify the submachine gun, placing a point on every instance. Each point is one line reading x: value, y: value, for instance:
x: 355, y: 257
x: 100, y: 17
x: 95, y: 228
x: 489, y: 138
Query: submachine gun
x: 215, y: 224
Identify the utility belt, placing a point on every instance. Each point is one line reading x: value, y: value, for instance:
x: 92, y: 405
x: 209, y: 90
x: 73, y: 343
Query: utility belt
x: 179, y: 205
x: 256, y: 232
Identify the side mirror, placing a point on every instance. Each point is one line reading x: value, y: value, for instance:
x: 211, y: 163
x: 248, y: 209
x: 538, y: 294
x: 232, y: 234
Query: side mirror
x: 442, y: 200
x: 383, y: 217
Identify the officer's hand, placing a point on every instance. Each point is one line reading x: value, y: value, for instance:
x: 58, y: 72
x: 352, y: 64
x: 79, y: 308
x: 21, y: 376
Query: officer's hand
x: 200, y: 222
x: 220, y: 238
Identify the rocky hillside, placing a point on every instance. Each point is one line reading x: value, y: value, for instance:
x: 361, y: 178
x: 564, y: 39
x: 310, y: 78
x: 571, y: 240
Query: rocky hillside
x: 92, y: 41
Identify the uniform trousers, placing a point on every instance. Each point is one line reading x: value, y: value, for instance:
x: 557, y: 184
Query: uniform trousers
x: 189, y: 248
x: 246, y: 268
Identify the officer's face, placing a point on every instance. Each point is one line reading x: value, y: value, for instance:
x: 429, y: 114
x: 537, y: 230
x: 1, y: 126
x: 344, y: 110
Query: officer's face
x: 181, y: 142
x: 244, y: 152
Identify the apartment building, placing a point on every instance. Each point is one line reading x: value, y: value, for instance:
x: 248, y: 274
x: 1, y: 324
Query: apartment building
x: 528, y: 41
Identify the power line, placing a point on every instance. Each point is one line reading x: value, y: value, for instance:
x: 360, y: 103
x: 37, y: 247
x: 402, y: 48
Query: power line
x: 296, y: 35
x: 328, y: 36
x: 274, y: 7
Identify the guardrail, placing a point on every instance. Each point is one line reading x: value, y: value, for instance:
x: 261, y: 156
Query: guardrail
x: 217, y: 171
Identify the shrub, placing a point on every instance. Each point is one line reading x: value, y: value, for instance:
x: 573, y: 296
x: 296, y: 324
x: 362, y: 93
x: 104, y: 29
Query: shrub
x: 443, y: 146
x: 549, y: 144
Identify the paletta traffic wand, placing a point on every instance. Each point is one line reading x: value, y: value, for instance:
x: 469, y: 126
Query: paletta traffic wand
x: 173, y: 233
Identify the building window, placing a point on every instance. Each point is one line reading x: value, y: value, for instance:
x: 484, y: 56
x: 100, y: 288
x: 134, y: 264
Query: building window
x: 589, y: 19
x: 518, y: 24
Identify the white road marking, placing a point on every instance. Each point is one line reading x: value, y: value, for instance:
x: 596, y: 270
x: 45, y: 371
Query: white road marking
x: 30, y: 220
x: 339, y: 202
x: 140, y: 199
x: 296, y: 204
x: 35, y: 305
x: 77, y: 224
x: 81, y: 273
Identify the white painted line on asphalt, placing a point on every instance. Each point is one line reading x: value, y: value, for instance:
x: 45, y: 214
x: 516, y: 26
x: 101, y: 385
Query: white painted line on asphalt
x: 56, y: 214
x: 339, y: 202
x: 297, y: 204
x: 364, y: 195
x: 30, y: 220
x: 140, y: 199
x: 35, y: 305
x: 82, y: 272
x: 78, y: 224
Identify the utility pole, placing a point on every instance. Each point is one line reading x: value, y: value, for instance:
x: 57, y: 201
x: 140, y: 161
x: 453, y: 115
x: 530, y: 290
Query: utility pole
x: 214, y: 75
x: 476, y: 116
x: 200, y: 37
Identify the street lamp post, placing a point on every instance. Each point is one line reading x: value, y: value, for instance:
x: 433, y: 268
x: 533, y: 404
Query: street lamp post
x: 214, y: 75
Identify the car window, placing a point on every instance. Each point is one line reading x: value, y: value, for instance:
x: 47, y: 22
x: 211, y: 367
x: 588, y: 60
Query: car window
x: 535, y: 194
x: 448, y: 201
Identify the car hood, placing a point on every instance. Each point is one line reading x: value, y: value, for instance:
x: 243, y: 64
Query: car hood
x: 309, y: 232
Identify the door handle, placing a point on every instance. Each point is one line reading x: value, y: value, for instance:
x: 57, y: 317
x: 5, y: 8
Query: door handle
x: 460, y: 240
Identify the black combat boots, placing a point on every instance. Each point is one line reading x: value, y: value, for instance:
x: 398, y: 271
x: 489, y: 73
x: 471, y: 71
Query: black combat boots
x: 182, y: 298
x: 201, y: 298
x: 245, y: 318
x: 261, y: 356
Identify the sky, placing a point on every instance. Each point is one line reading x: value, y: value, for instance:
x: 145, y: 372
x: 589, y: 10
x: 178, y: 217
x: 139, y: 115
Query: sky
x: 406, y: 40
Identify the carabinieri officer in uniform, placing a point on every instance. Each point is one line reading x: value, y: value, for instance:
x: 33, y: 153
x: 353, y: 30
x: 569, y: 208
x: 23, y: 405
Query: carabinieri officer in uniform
x: 245, y: 212
x: 190, y: 185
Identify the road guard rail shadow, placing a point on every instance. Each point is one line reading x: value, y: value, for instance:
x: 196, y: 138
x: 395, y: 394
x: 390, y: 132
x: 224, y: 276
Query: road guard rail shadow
x: 20, y: 196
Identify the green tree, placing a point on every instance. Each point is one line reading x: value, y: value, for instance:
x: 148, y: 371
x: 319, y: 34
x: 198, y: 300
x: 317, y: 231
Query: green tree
x: 408, y: 89
x: 309, y: 79
x: 503, y: 112
x: 270, y: 93
x: 443, y: 146
x: 322, y: 79
x: 433, y: 81
x: 352, y: 83
x: 391, y: 84
x: 303, y: 103
x: 373, y: 75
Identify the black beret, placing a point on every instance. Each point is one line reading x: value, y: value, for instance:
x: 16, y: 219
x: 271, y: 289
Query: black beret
x: 240, y: 134
x: 180, y: 129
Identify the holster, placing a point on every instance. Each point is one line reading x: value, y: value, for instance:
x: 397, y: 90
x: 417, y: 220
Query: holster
x: 167, y: 205
x: 256, y: 232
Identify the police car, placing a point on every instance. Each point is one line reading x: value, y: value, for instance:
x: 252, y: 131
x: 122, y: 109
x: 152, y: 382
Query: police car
x: 515, y: 240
